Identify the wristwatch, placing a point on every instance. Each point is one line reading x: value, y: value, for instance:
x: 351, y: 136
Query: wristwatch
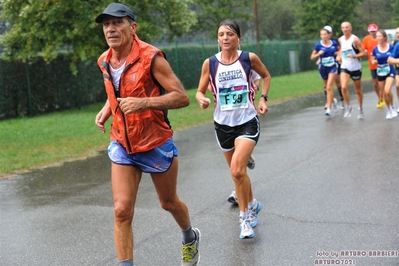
x: 264, y: 96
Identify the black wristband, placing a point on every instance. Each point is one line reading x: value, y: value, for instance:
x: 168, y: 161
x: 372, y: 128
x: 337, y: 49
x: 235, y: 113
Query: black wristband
x: 264, y: 96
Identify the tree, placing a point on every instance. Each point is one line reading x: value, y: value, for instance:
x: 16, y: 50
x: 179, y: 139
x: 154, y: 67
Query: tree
x: 43, y: 28
x: 314, y: 14
x: 395, y: 17
x: 276, y: 18
x: 212, y: 12
x: 376, y: 11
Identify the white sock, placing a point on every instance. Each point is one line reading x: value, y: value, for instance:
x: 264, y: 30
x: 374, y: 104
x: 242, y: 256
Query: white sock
x: 252, y: 204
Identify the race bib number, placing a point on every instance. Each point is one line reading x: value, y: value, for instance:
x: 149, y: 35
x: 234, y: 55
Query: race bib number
x: 345, y: 53
x: 328, y: 61
x: 232, y: 98
x: 383, y: 70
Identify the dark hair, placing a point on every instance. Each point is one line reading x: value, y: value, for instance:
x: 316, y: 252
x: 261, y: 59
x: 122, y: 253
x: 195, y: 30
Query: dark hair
x: 231, y: 24
x: 384, y: 34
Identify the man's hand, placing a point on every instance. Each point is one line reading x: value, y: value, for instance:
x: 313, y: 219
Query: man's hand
x: 131, y: 105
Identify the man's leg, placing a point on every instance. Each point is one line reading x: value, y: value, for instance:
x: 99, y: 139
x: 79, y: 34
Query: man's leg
x: 359, y: 92
x: 125, y: 182
x: 344, y: 87
x: 165, y: 185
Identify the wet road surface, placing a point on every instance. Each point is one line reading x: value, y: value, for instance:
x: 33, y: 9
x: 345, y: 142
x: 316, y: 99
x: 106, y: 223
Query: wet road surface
x: 329, y: 188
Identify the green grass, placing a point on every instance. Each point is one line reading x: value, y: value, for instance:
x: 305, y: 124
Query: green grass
x: 28, y: 143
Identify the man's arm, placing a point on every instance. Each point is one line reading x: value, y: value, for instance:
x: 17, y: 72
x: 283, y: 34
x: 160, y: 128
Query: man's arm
x: 175, y: 98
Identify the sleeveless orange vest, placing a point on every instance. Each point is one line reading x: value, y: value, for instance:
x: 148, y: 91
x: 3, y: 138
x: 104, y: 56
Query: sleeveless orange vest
x: 144, y: 130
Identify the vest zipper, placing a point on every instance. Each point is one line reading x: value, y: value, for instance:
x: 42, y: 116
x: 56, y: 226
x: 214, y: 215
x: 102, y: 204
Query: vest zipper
x: 129, y: 148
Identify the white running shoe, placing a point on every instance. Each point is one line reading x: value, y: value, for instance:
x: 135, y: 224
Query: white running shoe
x: 253, y: 214
x: 233, y: 197
x: 334, y: 105
x: 361, y: 114
x: 328, y: 112
x: 190, y: 252
x: 251, y: 162
x: 348, y: 112
x: 246, y: 230
x: 389, y: 115
x: 393, y: 112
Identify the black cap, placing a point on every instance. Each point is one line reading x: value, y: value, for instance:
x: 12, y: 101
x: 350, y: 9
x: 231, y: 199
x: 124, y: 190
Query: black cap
x: 115, y: 10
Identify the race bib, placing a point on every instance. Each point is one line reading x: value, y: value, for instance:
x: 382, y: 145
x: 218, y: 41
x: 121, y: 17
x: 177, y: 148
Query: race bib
x: 232, y: 98
x: 383, y: 70
x: 345, y: 53
x: 328, y: 61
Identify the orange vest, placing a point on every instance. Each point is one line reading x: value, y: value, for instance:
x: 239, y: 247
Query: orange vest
x: 144, y: 130
x: 368, y: 44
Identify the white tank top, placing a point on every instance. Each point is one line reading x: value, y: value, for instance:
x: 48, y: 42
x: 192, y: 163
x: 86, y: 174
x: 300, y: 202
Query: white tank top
x: 233, y: 90
x: 116, y: 75
x: 351, y: 64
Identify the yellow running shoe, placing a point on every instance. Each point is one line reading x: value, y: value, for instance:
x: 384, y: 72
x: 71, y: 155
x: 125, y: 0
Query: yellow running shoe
x: 380, y: 103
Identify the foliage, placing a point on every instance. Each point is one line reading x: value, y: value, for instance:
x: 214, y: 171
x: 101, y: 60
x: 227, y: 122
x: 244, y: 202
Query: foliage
x: 313, y: 15
x: 43, y: 28
x: 276, y: 18
x: 395, y: 17
x: 376, y: 11
x: 212, y: 12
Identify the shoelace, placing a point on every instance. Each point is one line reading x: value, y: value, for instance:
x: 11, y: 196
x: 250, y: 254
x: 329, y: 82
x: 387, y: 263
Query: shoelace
x: 246, y: 225
x: 188, y: 251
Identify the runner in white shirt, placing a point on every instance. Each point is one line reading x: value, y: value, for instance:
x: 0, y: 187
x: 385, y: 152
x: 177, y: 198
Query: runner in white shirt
x: 349, y: 56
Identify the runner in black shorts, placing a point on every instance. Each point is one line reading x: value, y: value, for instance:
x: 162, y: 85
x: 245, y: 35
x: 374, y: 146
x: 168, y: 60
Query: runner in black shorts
x: 226, y: 135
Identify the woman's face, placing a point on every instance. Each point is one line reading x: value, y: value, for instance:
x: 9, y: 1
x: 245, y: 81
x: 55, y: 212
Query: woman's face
x: 380, y: 37
x: 324, y: 35
x: 228, y: 38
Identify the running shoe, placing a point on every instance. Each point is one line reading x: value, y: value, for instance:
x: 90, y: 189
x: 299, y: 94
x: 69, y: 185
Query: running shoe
x: 233, y: 197
x: 334, y: 105
x: 389, y: 115
x: 328, y: 112
x: 342, y: 105
x: 246, y: 230
x: 361, y: 114
x: 380, y: 103
x: 251, y: 162
x: 397, y: 110
x: 190, y: 252
x: 348, y: 112
x: 253, y: 214
x: 325, y: 106
x: 393, y: 112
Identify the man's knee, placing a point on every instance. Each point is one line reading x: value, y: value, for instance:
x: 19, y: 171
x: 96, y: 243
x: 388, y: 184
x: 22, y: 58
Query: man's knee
x: 123, y: 213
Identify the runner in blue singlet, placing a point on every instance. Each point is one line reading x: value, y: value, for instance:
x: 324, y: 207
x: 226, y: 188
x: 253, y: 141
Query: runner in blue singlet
x: 385, y: 71
x: 326, y: 50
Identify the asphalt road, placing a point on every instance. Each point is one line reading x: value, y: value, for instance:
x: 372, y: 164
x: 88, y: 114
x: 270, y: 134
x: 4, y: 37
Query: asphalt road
x: 329, y: 188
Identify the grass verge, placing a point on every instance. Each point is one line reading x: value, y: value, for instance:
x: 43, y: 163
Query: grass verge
x: 28, y: 143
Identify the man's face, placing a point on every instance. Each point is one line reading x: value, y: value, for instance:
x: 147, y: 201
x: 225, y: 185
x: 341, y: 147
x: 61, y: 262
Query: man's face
x: 118, y: 31
x: 346, y: 28
x: 373, y: 34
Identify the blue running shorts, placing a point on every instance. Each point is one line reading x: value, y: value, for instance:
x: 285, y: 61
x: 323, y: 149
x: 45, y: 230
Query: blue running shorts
x: 157, y: 160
